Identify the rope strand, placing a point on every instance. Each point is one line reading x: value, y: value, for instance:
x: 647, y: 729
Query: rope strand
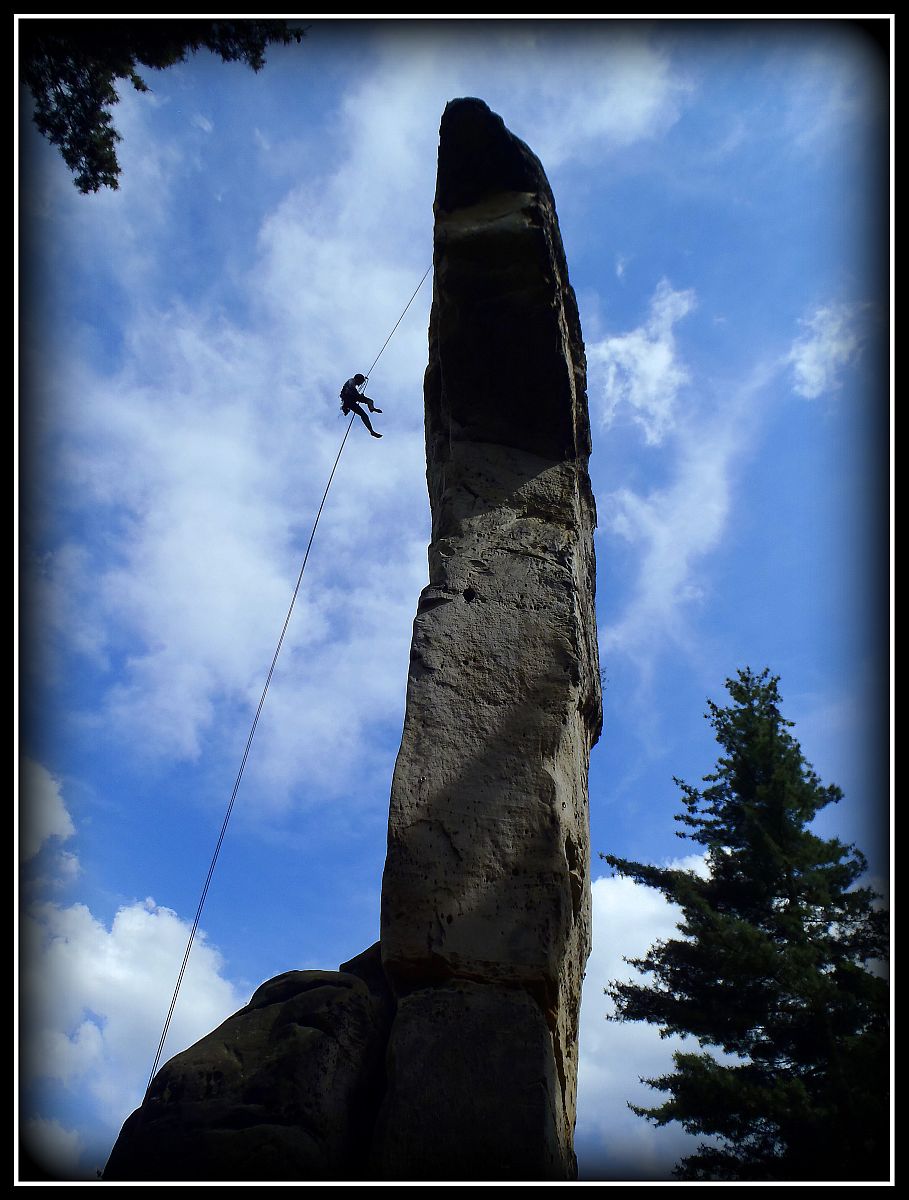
x: 252, y: 731
x: 399, y: 320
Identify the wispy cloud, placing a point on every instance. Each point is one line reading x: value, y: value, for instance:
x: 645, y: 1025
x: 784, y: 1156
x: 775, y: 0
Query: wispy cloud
x: 574, y: 90
x: 630, y: 91
x: 641, y: 369
x: 195, y: 467
x: 196, y: 471
x: 837, y: 89
x: 832, y: 340
x: 675, y: 527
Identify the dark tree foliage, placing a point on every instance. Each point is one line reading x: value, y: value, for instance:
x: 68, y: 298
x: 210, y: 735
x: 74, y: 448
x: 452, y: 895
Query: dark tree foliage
x: 772, y: 968
x: 71, y: 68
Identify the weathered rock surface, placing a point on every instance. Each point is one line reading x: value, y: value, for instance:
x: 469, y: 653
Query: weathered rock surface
x: 486, y: 900
x: 449, y: 1051
x: 286, y: 1089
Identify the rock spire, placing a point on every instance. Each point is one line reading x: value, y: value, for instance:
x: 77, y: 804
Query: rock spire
x: 449, y: 1050
x: 485, y: 900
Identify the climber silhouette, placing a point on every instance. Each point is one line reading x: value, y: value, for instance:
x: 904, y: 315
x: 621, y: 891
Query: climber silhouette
x: 350, y: 401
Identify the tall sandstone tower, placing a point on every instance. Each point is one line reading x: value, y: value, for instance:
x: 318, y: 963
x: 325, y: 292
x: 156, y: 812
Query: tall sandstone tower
x: 486, y: 896
x: 449, y: 1051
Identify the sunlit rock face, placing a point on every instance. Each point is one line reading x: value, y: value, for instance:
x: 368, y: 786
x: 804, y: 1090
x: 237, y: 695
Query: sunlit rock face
x: 486, y: 896
x: 449, y: 1050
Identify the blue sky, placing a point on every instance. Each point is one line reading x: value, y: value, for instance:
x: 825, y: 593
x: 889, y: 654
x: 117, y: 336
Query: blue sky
x: 723, y: 193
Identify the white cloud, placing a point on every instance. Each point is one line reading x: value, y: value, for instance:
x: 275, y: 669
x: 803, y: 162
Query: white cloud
x: 674, y: 528
x: 832, y: 340
x: 591, y: 91
x: 94, y: 999
x: 53, y: 1148
x: 205, y: 468
x: 641, y: 369
x: 611, y: 1142
x: 337, y: 693
x: 197, y: 466
x: 572, y: 90
x: 43, y: 815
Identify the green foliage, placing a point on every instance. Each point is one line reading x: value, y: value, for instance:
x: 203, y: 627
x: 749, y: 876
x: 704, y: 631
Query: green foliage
x: 772, y: 968
x: 71, y: 68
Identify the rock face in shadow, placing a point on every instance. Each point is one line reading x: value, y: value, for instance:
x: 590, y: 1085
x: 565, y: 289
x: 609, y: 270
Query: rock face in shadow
x: 448, y: 1052
x: 287, y: 1088
x: 486, y: 898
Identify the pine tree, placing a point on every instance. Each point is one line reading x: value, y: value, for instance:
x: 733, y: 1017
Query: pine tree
x: 776, y: 968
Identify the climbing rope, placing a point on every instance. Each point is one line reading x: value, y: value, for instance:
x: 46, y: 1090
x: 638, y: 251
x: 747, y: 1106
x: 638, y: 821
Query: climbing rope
x: 400, y: 319
x: 252, y: 731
